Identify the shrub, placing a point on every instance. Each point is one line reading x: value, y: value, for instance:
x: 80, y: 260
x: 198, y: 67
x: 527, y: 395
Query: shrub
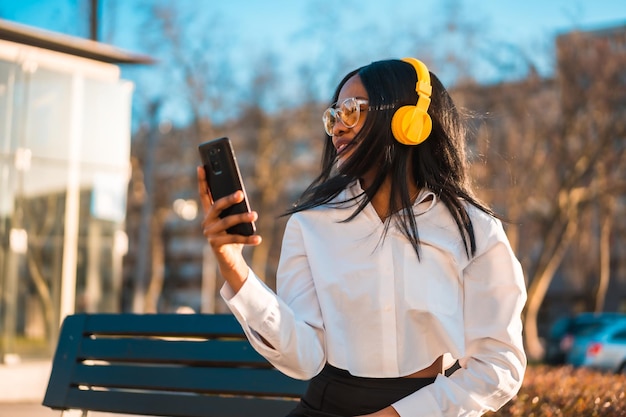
x: 565, y: 391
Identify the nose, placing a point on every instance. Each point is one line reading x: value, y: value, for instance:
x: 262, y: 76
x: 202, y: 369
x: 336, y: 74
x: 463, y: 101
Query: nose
x: 339, y: 128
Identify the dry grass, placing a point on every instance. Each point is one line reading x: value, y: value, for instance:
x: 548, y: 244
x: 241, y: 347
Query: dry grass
x: 565, y: 391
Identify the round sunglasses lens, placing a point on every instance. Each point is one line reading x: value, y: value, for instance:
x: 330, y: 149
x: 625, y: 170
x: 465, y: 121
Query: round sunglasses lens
x: 329, y: 121
x: 349, y: 112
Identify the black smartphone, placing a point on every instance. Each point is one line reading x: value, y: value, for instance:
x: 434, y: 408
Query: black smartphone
x: 224, y: 178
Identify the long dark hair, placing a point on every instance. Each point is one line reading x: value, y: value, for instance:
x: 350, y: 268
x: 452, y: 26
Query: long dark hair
x: 438, y: 164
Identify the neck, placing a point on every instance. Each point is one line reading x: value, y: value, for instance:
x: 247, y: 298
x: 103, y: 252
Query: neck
x: 380, y: 200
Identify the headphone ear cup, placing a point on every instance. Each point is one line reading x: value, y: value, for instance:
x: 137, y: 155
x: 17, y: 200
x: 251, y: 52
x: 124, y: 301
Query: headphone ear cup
x: 427, y: 127
x: 399, y: 124
x: 411, y: 126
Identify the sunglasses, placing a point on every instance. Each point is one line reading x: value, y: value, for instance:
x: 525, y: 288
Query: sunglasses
x: 348, y: 112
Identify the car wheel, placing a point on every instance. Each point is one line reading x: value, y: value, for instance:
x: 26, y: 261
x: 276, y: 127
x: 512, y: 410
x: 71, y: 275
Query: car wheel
x: 622, y: 368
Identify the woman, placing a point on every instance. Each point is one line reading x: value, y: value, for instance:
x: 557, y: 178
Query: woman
x: 390, y: 270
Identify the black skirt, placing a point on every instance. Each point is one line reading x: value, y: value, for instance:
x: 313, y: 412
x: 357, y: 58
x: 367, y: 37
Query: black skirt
x: 336, y: 393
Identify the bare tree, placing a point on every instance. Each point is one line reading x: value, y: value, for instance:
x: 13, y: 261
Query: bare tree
x: 276, y: 158
x: 552, y: 147
x: 196, y: 71
x: 559, y: 142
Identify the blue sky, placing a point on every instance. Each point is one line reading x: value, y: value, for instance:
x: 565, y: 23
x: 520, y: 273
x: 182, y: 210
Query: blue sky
x: 277, y: 22
x: 317, y: 32
x: 279, y: 19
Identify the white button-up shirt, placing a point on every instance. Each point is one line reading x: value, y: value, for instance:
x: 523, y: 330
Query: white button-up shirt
x: 367, y: 304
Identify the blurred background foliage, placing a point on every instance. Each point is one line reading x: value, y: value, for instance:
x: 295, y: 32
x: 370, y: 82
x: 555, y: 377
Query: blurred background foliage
x: 547, y: 145
x: 547, y: 151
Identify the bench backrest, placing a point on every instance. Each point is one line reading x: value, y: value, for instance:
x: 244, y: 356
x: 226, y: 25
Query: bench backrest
x: 165, y: 365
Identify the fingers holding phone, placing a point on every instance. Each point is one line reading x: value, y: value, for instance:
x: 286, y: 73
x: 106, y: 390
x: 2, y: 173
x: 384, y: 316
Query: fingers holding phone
x: 216, y: 226
x: 228, y: 221
x: 223, y: 178
x: 203, y: 191
x: 223, y: 196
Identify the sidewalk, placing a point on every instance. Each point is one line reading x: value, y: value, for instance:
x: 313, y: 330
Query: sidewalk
x: 38, y: 410
x: 26, y: 410
x: 22, y: 388
x: 24, y: 381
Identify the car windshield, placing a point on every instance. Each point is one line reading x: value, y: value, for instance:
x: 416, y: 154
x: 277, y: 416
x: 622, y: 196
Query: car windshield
x: 586, y: 329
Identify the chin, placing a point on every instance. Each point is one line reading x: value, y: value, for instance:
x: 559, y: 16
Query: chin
x: 340, y: 162
x: 343, y: 158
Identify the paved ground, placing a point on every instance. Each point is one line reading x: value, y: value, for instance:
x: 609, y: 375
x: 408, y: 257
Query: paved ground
x: 38, y: 410
x: 23, y: 382
x: 26, y: 410
x: 22, y: 388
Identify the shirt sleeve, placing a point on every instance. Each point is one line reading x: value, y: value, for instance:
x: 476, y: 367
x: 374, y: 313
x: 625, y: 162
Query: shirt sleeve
x: 297, y: 341
x: 494, y: 363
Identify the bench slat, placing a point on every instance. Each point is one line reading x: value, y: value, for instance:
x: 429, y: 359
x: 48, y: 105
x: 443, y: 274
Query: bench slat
x: 170, y: 404
x: 182, y: 325
x: 165, y: 365
x: 171, y: 351
x: 266, y: 382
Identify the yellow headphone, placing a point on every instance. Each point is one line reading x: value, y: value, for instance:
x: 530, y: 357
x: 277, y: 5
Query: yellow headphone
x: 411, y: 125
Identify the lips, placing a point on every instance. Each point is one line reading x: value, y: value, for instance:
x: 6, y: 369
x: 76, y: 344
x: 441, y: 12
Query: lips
x: 342, y: 144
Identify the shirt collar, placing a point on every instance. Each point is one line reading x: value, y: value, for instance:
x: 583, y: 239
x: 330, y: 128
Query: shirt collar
x: 424, y: 202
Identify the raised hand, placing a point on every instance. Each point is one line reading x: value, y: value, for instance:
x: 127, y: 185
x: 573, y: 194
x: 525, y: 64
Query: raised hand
x: 227, y: 247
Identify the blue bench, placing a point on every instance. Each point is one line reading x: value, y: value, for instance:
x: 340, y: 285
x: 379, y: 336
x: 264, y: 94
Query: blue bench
x: 165, y: 365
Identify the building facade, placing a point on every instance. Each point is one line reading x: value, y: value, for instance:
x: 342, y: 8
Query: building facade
x: 64, y: 168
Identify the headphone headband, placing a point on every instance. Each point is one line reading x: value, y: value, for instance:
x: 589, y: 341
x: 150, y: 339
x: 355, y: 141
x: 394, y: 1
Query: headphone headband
x: 423, y: 87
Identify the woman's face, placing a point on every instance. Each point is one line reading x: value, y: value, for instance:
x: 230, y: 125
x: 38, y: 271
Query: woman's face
x: 342, y: 136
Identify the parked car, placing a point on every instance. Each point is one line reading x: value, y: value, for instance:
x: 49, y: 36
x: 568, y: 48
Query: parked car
x: 601, y: 347
x: 563, y: 333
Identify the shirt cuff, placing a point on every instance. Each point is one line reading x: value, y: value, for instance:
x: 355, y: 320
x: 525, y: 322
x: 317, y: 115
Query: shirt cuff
x: 420, y: 403
x: 255, y: 303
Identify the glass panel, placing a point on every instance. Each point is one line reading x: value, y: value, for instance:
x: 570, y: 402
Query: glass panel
x: 39, y: 271
x: 107, y: 124
x: 105, y: 159
x: 58, y: 130
x: 38, y: 121
x: 7, y: 83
